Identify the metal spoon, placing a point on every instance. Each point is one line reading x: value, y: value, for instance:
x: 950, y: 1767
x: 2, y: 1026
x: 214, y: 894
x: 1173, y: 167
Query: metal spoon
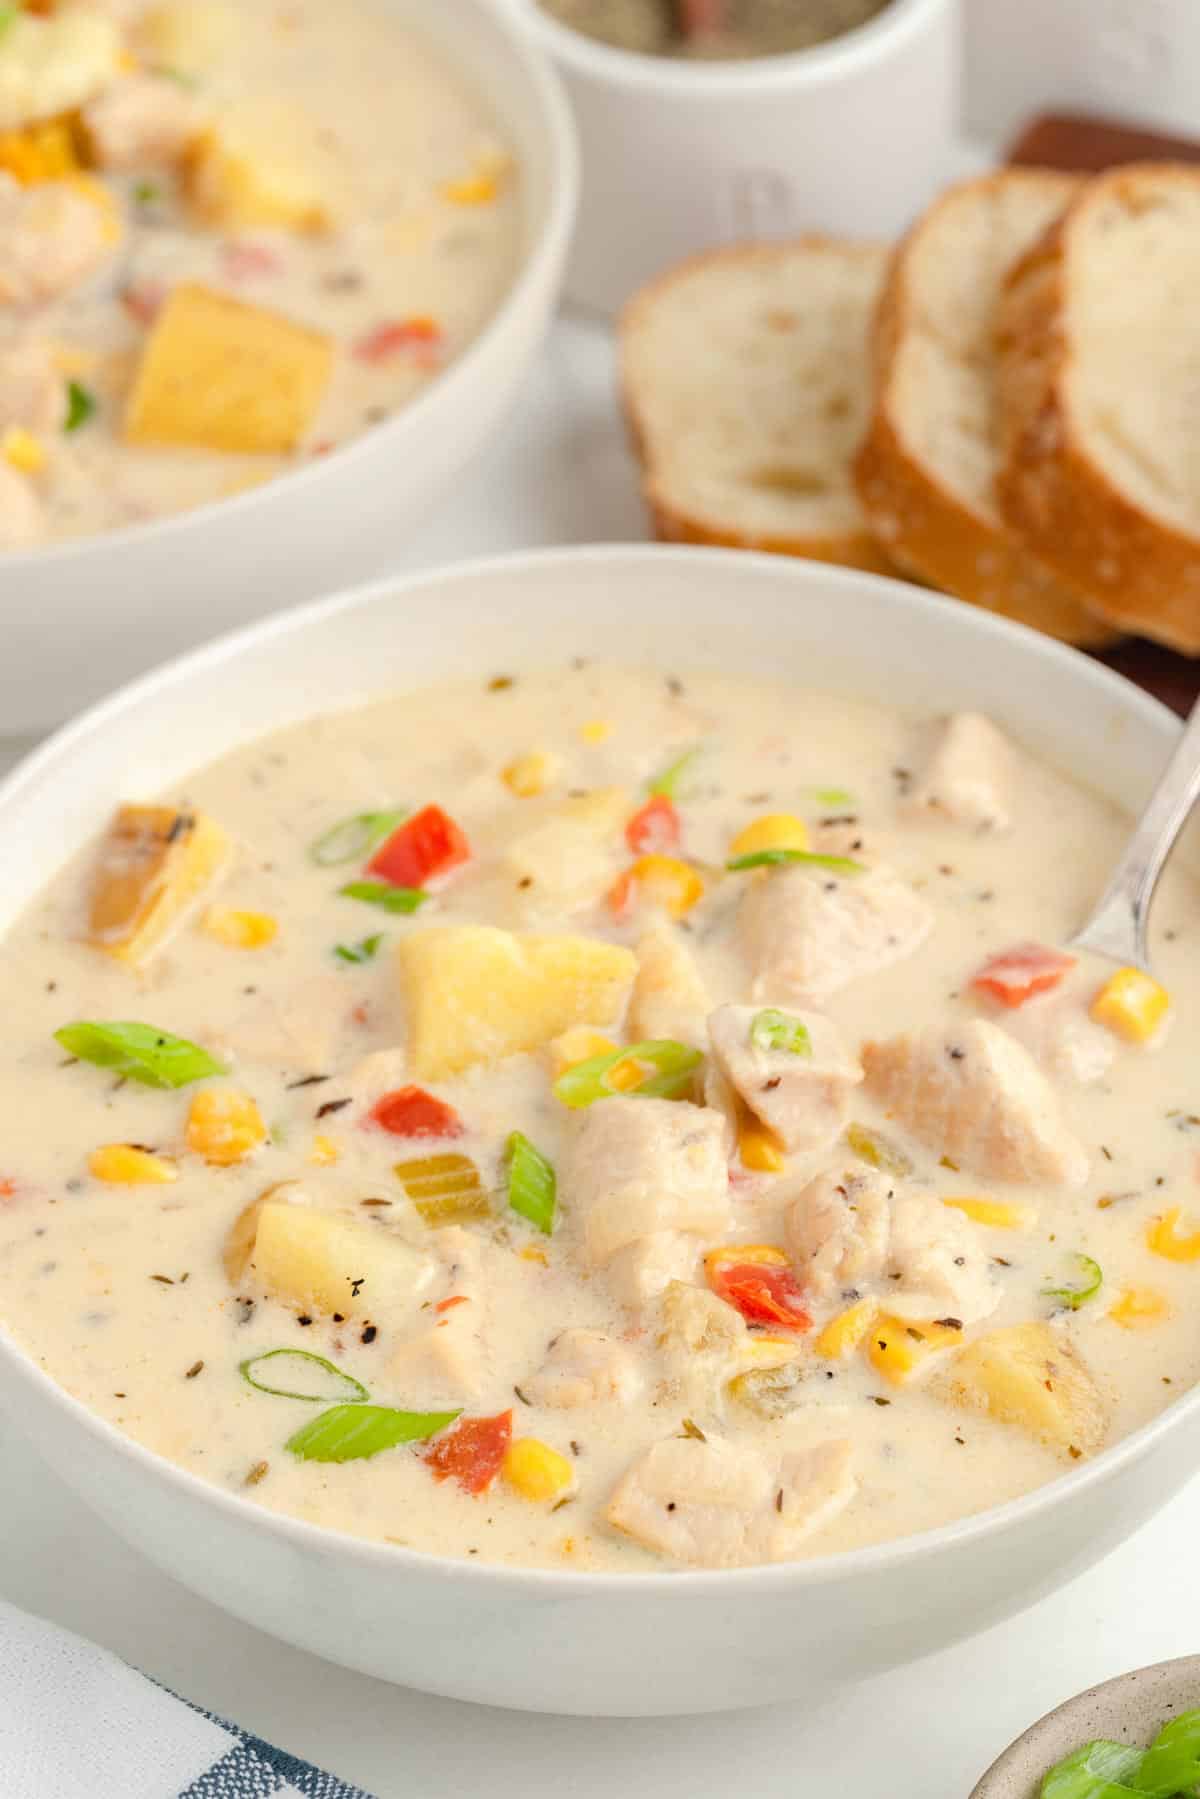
x: 1117, y: 926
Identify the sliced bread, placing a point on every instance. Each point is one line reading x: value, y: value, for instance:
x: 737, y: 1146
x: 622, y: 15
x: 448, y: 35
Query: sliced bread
x: 744, y: 377
x: 1099, y: 354
x: 927, y: 467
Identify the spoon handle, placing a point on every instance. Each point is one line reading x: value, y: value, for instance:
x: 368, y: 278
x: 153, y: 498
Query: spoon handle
x: 1117, y: 926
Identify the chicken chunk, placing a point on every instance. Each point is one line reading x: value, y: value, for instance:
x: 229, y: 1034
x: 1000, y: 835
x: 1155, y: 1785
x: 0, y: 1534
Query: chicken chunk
x: 966, y: 776
x: 52, y: 236
x: 22, y: 519
x: 718, y: 1504
x: 584, y: 1367
x: 643, y: 1270
x: 807, y: 933
x: 669, y: 998
x: 636, y: 1167
x: 33, y: 394
x: 295, y: 1030
x: 975, y: 1094
x: 448, y: 1358
x: 837, y: 1231
x: 1068, y: 1045
x: 800, y: 1094
x: 141, y: 120
x: 937, y: 1266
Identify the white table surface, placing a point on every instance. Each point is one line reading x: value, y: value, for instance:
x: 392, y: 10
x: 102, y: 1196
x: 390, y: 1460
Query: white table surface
x: 560, y: 474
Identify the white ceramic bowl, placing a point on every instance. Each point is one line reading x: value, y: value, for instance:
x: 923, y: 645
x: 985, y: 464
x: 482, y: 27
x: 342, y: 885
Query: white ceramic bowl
x: 853, y: 136
x: 80, y: 617
x: 544, y: 1640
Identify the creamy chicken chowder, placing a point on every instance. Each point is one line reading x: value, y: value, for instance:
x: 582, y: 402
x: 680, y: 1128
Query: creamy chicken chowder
x: 233, y: 235
x: 605, y: 1122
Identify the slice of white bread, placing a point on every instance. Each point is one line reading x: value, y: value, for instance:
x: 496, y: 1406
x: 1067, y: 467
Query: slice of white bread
x: 1099, y: 352
x: 926, y: 470
x: 744, y: 377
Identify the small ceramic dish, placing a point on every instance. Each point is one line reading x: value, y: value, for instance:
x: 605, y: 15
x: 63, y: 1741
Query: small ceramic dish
x: 1130, y: 1709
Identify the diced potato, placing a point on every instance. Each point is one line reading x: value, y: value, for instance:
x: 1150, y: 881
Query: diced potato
x: 1139, y: 1309
x: 242, y: 1232
x: 188, y: 37
x: 224, y: 1126
x: 994, y: 1214
x: 129, y: 1165
x: 899, y: 1349
x: 531, y: 774
x: 570, y: 853
x: 330, y: 1262
x: 153, y: 863
x: 217, y: 374
x: 1031, y: 1376
x: 843, y: 1334
x: 1164, y: 1239
x: 536, y: 1471
x: 774, y: 831
x: 240, y: 930
x: 51, y: 66
x: 476, y: 994
x: 266, y: 163
x: 1131, y: 1004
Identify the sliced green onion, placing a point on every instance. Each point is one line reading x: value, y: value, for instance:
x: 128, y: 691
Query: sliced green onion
x: 1093, y: 1277
x: 1172, y: 1763
x: 351, y: 1433
x: 842, y: 865
x: 772, y: 1029
x: 1097, y: 1771
x: 532, y: 1185
x: 870, y: 1146
x: 139, y: 1052
x: 380, y: 893
x: 592, y: 1080
x: 339, y: 1386
x: 181, y: 77
x: 839, y: 797
x: 365, y: 951
x: 354, y: 837
x: 147, y: 193
x: 669, y: 782
x: 81, y: 404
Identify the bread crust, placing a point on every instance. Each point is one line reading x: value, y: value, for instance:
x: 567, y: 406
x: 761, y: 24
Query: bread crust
x: 670, y: 524
x: 925, y: 526
x: 1140, y: 571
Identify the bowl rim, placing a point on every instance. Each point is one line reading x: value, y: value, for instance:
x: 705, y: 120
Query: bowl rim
x: 65, y: 744
x: 850, y: 52
x: 562, y: 172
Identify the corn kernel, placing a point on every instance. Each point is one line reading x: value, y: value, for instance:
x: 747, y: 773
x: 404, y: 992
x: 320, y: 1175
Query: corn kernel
x: 73, y: 359
x: 774, y: 831
x: 898, y: 1349
x: 23, y: 450
x: 596, y: 730
x: 127, y: 1165
x: 324, y: 1152
x: 536, y: 1471
x: 759, y: 1146
x: 1139, y: 1308
x: 531, y: 774
x: 578, y: 1044
x: 662, y: 881
x: 995, y: 1214
x: 475, y: 190
x: 240, y: 930
x: 843, y: 1334
x: 531, y: 1253
x: 224, y: 1126
x: 1132, y: 1004
x: 734, y: 1255
x: 1164, y: 1239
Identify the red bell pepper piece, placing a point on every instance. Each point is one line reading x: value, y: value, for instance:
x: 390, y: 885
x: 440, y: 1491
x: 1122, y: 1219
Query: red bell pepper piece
x: 1016, y: 974
x: 396, y: 336
x: 763, y: 1292
x: 654, y: 829
x: 425, y: 845
x: 411, y: 1112
x: 471, y: 1452
x: 245, y: 262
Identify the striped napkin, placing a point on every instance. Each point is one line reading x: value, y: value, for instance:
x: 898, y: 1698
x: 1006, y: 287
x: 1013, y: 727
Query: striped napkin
x: 77, y: 1723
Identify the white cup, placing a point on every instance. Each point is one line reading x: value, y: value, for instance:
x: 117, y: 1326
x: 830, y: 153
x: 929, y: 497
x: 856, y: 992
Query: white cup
x: 853, y: 136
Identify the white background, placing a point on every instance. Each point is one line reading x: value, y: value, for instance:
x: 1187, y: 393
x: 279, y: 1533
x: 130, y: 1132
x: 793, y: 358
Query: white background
x: 560, y: 473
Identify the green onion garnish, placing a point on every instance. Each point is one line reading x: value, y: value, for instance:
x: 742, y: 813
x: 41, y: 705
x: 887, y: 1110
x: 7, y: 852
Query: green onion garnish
x: 379, y: 893
x: 532, y: 1185
x: 1172, y: 1762
x: 181, y: 77
x: 772, y: 1029
x: 842, y: 865
x: 1075, y: 1297
x: 351, y: 1433
x: 339, y: 1386
x: 365, y: 951
x: 8, y: 15
x: 1169, y: 1769
x: 838, y: 797
x: 592, y: 1080
x: 672, y: 778
x: 81, y: 404
x: 147, y: 193
x: 352, y: 838
x: 1097, y: 1771
x: 139, y: 1052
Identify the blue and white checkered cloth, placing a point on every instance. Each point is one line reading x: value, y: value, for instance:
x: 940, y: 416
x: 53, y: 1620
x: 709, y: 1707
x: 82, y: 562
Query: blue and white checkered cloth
x: 77, y: 1723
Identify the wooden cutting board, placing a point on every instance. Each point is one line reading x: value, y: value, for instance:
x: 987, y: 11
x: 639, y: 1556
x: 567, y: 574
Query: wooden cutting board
x: 1084, y: 146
